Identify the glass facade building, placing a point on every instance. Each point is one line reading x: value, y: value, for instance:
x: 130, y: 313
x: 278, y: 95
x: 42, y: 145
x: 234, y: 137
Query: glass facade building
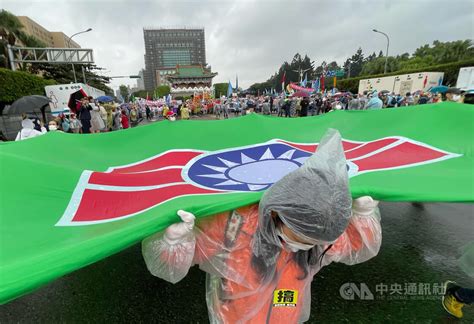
x: 166, y: 48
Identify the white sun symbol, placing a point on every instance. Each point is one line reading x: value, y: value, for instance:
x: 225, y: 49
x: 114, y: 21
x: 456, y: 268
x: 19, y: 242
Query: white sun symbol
x: 257, y: 174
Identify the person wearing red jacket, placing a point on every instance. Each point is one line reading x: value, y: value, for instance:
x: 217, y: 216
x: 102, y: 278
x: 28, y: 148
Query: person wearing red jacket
x: 260, y: 259
x: 125, y: 123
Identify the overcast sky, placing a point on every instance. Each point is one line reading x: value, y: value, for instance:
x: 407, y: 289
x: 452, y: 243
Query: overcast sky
x: 252, y: 38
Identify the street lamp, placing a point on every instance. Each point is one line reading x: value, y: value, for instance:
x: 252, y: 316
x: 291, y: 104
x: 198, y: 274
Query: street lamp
x: 69, y: 46
x: 386, y: 53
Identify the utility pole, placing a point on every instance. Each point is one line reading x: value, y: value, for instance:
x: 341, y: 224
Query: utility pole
x: 69, y: 46
x: 386, y: 53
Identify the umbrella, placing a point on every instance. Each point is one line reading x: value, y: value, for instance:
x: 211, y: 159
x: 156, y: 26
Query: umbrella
x: 26, y: 104
x: 105, y: 99
x: 300, y: 94
x: 384, y: 91
x: 337, y: 94
x: 74, y: 98
x: 453, y: 90
x: 441, y: 89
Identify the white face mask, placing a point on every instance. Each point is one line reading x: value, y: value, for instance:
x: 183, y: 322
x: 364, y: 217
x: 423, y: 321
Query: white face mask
x: 456, y: 97
x: 53, y: 128
x: 293, y: 246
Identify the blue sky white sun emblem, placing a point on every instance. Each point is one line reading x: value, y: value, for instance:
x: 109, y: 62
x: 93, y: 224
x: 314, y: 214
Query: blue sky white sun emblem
x: 246, y: 169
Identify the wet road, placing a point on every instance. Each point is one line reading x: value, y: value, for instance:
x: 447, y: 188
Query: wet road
x: 420, y: 246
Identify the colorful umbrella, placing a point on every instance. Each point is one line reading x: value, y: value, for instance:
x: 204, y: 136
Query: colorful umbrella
x: 440, y: 89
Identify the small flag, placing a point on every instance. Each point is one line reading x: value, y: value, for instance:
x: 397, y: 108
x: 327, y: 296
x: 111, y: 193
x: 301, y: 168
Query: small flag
x: 283, y: 82
x: 229, y: 90
x: 316, y: 85
x: 305, y: 81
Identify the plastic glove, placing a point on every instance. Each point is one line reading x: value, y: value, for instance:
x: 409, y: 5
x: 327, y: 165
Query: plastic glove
x: 362, y: 237
x: 364, y: 206
x: 178, y: 233
x: 169, y: 255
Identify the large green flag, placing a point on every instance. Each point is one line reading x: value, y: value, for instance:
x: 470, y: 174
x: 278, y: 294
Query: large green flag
x: 70, y: 200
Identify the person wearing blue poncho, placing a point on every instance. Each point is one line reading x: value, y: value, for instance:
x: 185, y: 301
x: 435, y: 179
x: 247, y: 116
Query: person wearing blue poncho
x: 375, y: 102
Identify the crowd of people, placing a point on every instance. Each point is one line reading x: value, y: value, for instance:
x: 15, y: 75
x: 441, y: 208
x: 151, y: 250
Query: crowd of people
x: 322, y: 103
x: 91, y: 116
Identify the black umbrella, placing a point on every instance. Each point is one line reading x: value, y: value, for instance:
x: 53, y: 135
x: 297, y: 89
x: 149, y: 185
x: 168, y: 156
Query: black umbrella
x: 74, y: 98
x: 28, y: 104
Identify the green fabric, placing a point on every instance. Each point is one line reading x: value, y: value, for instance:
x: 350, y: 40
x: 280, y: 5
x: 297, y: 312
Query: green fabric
x: 38, y: 177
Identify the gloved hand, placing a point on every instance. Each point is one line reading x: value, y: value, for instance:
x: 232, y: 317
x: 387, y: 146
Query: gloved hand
x: 169, y: 255
x: 364, y: 206
x: 177, y: 233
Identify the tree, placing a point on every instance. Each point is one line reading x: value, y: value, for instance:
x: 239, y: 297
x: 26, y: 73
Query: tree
x: 124, y: 92
x: 140, y: 94
x: 162, y: 91
x: 321, y: 68
x: 359, y: 65
x: 354, y: 64
x: 377, y: 65
x: 446, y: 52
x: 220, y: 89
x: 261, y: 88
x: 333, y: 66
x: 62, y: 73
x: 10, y: 32
x: 371, y: 57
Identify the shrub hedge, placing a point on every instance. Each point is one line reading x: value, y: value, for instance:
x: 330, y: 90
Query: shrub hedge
x: 16, y: 84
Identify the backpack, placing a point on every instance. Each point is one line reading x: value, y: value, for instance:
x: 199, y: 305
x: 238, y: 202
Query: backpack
x: 393, y: 102
x: 65, y: 125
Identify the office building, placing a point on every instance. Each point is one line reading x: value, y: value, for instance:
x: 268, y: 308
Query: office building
x: 140, y: 82
x: 61, y: 40
x: 50, y: 39
x: 167, y: 48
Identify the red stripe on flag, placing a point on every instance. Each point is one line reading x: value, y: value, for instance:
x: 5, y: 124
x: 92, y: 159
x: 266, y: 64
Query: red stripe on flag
x: 137, y: 179
x: 369, y: 147
x: 97, y: 205
x: 400, y: 155
x: 304, y: 147
x: 349, y: 145
x: 312, y: 147
x: 174, y: 158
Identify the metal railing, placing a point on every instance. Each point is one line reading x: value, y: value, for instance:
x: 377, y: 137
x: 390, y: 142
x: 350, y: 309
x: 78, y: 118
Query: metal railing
x: 49, y: 55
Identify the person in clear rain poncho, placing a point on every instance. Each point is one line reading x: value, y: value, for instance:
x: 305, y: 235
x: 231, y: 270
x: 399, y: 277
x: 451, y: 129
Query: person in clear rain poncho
x: 260, y: 259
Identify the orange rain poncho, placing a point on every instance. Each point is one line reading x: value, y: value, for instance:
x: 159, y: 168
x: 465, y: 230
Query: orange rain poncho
x: 252, y: 274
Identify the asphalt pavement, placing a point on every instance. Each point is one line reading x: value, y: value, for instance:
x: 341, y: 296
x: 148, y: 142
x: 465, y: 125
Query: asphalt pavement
x: 419, y: 252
